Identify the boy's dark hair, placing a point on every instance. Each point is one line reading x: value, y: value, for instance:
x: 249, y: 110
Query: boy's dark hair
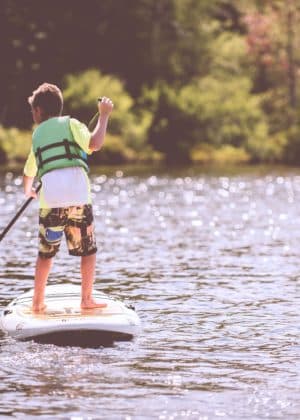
x: 49, y: 98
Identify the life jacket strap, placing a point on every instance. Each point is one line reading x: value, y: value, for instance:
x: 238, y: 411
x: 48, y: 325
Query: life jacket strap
x: 68, y: 154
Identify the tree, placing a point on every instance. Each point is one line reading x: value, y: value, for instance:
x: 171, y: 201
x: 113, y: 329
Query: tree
x: 139, y: 41
x: 273, y: 39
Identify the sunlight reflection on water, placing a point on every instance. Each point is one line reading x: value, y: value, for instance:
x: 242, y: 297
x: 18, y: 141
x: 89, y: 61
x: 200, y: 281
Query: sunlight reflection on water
x: 211, y: 265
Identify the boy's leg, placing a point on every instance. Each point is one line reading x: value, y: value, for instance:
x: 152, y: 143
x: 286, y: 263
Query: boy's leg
x: 88, y: 264
x: 42, y: 270
x: 82, y: 242
x: 51, y: 229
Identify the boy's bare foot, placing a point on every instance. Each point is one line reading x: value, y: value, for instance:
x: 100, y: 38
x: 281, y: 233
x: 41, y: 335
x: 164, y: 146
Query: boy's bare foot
x: 91, y: 304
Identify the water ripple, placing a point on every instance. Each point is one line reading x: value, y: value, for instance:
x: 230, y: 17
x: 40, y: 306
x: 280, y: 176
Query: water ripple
x: 211, y: 265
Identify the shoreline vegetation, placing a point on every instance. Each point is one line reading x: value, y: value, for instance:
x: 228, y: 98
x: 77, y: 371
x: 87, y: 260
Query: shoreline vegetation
x: 210, y: 81
x: 15, y: 145
x: 208, y: 120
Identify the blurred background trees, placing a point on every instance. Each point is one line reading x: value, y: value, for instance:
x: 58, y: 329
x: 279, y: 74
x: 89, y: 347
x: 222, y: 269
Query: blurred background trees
x: 189, y: 78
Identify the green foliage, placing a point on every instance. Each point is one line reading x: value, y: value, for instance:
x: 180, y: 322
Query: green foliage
x: 292, y: 145
x: 208, y: 111
x: 113, y: 152
x: 3, y: 156
x: 190, y: 49
x: 187, y: 77
x: 230, y: 58
x: 275, y: 106
x: 263, y: 148
x: 206, y: 153
x: 173, y: 128
x: 14, y: 144
x: 81, y: 93
x: 225, y: 109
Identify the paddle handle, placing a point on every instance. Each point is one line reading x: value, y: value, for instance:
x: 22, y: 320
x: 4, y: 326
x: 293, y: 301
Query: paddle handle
x: 91, y: 124
x: 18, y: 214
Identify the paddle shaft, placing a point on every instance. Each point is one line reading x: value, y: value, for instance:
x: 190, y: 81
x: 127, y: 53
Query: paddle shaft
x: 15, y: 218
x: 95, y: 117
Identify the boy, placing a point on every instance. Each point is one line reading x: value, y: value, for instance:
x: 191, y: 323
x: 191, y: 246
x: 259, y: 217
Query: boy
x: 58, y: 157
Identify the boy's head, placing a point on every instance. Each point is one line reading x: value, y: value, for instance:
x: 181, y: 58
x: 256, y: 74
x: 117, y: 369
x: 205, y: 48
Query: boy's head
x: 46, y: 102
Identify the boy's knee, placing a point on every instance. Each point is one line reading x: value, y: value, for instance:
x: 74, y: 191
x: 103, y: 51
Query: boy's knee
x: 47, y: 255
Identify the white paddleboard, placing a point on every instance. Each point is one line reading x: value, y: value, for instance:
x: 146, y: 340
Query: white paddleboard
x: 63, y: 322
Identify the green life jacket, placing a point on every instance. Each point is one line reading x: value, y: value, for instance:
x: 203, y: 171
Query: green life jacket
x: 55, y: 148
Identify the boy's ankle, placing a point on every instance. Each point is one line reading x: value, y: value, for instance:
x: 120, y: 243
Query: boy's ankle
x: 38, y: 306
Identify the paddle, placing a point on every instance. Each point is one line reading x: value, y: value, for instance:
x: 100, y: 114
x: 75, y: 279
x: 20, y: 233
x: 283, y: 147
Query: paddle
x: 91, y: 124
x: 15, y: 218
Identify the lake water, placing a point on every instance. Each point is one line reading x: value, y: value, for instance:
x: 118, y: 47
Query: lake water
x: 211, y: 262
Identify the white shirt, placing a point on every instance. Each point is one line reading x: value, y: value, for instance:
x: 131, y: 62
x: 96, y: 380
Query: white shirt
x: 65, y: 187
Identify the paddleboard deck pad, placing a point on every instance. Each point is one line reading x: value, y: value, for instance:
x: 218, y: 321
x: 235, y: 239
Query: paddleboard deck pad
x: 63, y: 322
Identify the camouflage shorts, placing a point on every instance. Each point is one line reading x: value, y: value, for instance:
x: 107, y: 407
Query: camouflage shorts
x: 76, y: 222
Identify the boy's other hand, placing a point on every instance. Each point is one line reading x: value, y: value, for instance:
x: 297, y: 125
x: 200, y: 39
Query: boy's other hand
x: 31, y: 194
x: 105, y: 106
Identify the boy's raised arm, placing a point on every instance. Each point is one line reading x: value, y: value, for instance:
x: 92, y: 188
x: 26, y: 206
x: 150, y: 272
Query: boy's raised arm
x: 105, y: 108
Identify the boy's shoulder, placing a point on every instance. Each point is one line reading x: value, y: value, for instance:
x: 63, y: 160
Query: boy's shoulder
x: 75, y: 121
x: 62, y: 119
x: 76, y: 124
